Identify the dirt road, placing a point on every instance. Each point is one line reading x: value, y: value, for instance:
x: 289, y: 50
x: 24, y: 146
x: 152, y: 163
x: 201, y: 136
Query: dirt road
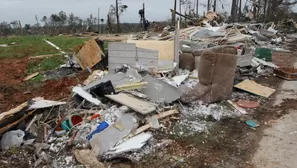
x: 278, y: 147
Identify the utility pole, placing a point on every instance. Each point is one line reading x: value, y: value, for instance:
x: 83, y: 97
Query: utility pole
x: 197, y: 6
x: 214, y: 5
x: 173, y: 14
x: 117, y: 15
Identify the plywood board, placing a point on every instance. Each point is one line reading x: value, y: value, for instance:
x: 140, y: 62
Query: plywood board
x: 255, y: 88
x: 89, y: 55
x: 165, y: 48
x: 133, y: 103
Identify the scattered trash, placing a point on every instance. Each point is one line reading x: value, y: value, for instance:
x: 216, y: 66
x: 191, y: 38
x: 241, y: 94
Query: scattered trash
x: 134, y: 143
x: 252, y: 123
x: 142, y: 85
x: 248, y: 104
x: 12, y: 138
x: 286, y: 73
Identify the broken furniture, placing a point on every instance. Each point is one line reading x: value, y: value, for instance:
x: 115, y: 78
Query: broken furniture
x: 216, y: 76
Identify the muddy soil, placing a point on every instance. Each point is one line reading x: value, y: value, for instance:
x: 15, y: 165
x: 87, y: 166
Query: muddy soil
x: 14, y: 91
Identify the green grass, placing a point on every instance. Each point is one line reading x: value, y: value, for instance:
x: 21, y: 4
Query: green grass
x: 34, y: 45
x: 45, y: 64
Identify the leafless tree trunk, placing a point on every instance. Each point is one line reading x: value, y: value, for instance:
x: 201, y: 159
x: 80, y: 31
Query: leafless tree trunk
x: 208, y: 5
x: 173, y: 14
x: 118, y: 17
x: 214, y: 5
x: 233, y: 10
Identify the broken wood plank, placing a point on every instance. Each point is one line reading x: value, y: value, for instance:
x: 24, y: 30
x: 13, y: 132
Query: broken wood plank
x: 255, y: 88
x: 31, y: 76
x: 134, y: 103
x: 13, y: 111
x: 89, y: 55
x: 131, y: 86
x: 9, y: 126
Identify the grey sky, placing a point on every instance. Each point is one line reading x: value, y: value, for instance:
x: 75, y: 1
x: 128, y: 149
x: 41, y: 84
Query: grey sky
x: 25, y: 10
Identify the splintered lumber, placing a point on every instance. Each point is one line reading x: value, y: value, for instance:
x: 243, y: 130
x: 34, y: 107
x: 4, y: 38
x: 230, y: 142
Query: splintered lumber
x: 255, y: 88
x: 13, y: 111
x: 133, y: 103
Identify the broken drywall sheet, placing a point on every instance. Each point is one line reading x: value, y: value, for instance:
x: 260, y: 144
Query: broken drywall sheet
x: 109, y: 137
x: 160, y: 91
x: 147, y: 57
x: 132, y: 144
x: 121, y: 53
x: 134, y: 103
x: 81, y: 92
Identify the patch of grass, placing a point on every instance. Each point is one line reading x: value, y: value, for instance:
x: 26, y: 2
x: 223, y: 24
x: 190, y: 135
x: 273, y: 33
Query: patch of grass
x: 45, y: 65
x: 35, y: 45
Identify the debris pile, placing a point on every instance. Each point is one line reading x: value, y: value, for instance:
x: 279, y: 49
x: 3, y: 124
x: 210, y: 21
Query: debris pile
x: 174, y: 83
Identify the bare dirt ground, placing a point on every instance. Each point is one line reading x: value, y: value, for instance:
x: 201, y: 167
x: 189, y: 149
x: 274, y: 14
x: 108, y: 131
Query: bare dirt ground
x: 14, y: 91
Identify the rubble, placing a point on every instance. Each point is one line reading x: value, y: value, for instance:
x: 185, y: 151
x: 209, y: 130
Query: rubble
x: 178, y: 83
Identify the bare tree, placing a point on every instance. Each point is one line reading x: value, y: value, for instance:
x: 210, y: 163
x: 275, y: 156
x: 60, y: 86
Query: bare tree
x: 114, y: 14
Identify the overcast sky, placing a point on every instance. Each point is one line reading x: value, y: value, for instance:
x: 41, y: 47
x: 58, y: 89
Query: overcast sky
x: 25, y: 10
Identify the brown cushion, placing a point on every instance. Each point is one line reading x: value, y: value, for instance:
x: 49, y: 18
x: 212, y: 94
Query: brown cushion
x: 187, y: 61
